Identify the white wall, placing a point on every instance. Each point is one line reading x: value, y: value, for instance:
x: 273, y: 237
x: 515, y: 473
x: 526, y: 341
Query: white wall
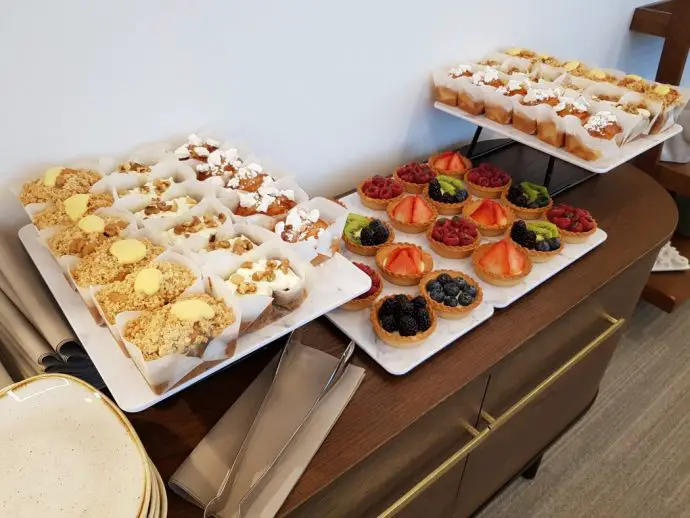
x: 332, y: 90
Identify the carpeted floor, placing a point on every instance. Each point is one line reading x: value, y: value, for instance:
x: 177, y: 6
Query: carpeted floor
x: 629, y: 457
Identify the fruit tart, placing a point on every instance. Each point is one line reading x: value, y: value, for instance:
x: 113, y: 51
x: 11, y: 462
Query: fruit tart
x: 414, y: 176
x: 602, y: 125
x: 491, y: 216
x: 447, y: 194
x: 451, y: 294
x: 449, y: 163
x: 528, y: 200
x: 634, y: 82
x: 364, y: 236
x: 377, y: 192
x: 366, y: 299
x: 403, y: 321
x: 454, y: 238
x: 576, y: 225
x: 412, y: 214
x: 501, y: 264
x: 487, y: 181
x: 403, y: 264
x: 196, y: 148
x: 267, y: 200
x: 541, y: 239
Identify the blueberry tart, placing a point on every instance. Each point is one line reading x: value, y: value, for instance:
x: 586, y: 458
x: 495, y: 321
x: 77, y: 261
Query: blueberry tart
x: 403, y: 321
x: 541, y: 239
x: 528, y: 200
x: 447, y: 194
x: 451, y: 294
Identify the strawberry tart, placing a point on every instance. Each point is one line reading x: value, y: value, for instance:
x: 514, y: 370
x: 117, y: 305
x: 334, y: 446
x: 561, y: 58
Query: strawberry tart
x: 501, y: 264
x: 412, y: 214
x: 491, y: 216
x: 450, y: 163
x: 403, y: 264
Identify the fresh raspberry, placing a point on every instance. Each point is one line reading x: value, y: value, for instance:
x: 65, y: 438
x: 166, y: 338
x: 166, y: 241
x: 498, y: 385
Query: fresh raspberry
x: 561, y: 222
x: 451, y: 240
x: 484, y: 182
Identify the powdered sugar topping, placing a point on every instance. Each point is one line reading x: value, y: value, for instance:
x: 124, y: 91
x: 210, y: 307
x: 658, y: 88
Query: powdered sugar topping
x: 580, y: 104
x: 543, y: 94
x: 459, y: 71
x: 600, y: 120
x: 298, y: 224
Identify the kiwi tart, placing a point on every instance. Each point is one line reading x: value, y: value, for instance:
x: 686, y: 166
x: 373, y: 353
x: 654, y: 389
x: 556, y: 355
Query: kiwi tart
x: 365, y: 236
x: 540, y: 239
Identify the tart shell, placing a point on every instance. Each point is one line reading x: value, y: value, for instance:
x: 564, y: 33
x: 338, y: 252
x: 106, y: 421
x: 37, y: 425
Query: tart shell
x: 376, y: 203
x: 359, y: 304
x: 444, y: 311
x: 526, y: 213
x: 488, y: 230
x: 358, y: 249
x: 452, y: 252
x: 457, y: 174
x: 485, y: 192
x: 577, y: 237
x: 537, y: 256
x: 394, y: 339
x: 494, y: 279
x: 396, y: 278
x: 411, y: 228
x: 445, y: 209
x: 411, y: 187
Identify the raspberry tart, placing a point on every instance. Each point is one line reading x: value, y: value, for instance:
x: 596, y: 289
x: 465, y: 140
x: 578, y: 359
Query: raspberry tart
x: 366, y: 299
x: 528, y: 200
x: 541, y: 239
x: 414, y: 176
x: 377, y: 192
x: 454, y: 238
x: 447, y: 194
x: 403, y: 264
x: 491, y: 216
x: 450, y: 163
x: 452, y: 295
x: 576, y: 225
x: 364, y: 236
x: 412, y: 214
x: 403, y: 321
x: 501, y: 264
x: 487, y: 181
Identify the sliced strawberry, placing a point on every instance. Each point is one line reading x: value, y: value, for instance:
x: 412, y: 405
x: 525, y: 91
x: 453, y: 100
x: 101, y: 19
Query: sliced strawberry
x: 495, y: 260
x: 400, y: 264
x: 485, y: 214
x: 500, y: 217
x: 403, y: 210
x: 516, y: 260
x: 422, y: 212
x: 456, y: 163
x: 416, y: 257
x: 442, y: 161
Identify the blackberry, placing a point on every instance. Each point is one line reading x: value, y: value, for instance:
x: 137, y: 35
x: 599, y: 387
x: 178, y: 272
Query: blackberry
x: 405, y: 308
x: 388, y: 307
x: 465, y: 299
x: 450, y: 301
x: 517, y: 197
x: 423, y: 320
x: 419, y: 302
x: 401, y: 298
x: 451, y: 288
x: 380, y: 235
x: 408, y: 326
x: 448, y: 198
x: 367, y: 237
x: 376, y: 224
x: 444, y: 278
x: 437, y: 295
x: 433, y: 286
x: 462, y: 284
x: 543, y: 246
x: 555, y: 243
x: 389, y: 324
x: 435, y: 190
x: 522, y: 235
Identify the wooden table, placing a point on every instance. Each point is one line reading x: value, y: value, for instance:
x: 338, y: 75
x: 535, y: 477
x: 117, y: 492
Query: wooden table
x: 639, y: 217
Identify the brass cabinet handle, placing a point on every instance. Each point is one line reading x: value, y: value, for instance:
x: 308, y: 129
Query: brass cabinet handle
x: 442, y: 469
x: 495, y: 423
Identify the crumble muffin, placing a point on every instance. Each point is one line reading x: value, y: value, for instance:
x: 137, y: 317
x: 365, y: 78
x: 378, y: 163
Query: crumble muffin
x: 113, y: 263
x: 183, y: 327
x: 70, y: 210
x: 167, y: 209
x: 58, y: 183
x: 149, y: 288
x: 88, y: 234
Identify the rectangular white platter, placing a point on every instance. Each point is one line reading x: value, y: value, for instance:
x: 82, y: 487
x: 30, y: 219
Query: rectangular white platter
x: 338, y: 281
x: 396, y: 361
x: 603, y: 165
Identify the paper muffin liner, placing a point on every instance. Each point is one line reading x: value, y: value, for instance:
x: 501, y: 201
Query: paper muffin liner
x: 537, y: 112
x: 199, y: 286
x: 498, y: 58
x: 549, y: 117
x: 150, y: 153
x: 164, y: 373
x: 669, y: 114
x: 548, y: 73
x: 644, y: 125
x: 470, y: 96
x: 231, y: 200
x: 577, y: 83
x: 329, y: 240
x: 445, y: 86
x: 515, y: 65
x: 596, y: 90
x: 208, y: 205
x: 168, y: 168
x: 499, y: 104
x: 600, y: 148
x: 261, y: 310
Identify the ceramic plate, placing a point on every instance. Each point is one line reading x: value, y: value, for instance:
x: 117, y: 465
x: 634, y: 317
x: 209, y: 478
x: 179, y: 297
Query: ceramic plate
x: 162, y: 493
x: 68, y: 451
x: 154, y: 504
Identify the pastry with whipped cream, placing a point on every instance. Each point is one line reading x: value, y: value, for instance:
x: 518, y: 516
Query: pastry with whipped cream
x: 595, y: 137
x: 488, y: 77
x: 145, y: 289
x: 167, y: 209
x: 552, y: 130
x: 197, y: 148
x: 470, y: 99
x: 499, y: 110
x: 219, y: 166
x: 460, y: 70
x: 133, y: 167
x: 267, y: 200
x: 301, y: 225
x: 249, y: 178
x: 86, y: 235
x: 153, y: 189
x: 58, y: 183
x: 514, y: 87
x: 72, y: 209
x: 237, y: 245
x: 603, y: 125
x: 263, y: 277
x: 569, y: 106
x: 197, y: 226
x: 525, y: 119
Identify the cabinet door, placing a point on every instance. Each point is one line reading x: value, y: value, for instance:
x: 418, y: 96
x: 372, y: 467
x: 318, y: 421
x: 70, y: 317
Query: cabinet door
x: 390, y: 473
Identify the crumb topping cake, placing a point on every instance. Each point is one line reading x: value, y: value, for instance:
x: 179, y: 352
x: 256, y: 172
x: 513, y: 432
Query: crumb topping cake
x: 89, y: 233
x: 58, y: 183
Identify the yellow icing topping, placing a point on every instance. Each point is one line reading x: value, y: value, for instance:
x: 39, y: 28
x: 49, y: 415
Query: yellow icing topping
x: 634, y: 77
x: 192, y: 310
x: 513, y: 52
x: 148, y: 281
x: 91, y: 223
x: 571, y: 65
x: 51, y: 175
x: 76, y: 205
x: 128, y: 251
x: 598, y: 73
x: 662, y: 89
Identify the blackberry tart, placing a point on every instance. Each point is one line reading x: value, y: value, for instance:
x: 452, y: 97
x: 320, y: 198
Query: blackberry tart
x: 541, y: 239
x: 528, y: 200
x: 414, y: 176
x: 364, y: 236
x: 451, y: 294
x: 403, y: 321
x: 366, y: 299
x: 447, y: 194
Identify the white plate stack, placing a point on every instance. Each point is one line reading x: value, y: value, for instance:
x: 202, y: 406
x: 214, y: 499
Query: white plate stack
x: 69, y: 451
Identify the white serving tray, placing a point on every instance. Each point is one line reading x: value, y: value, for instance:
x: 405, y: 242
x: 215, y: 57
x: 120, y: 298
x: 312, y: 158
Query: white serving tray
x: 396, y: 361
x: 338, y: 282
x: 604, y: 165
